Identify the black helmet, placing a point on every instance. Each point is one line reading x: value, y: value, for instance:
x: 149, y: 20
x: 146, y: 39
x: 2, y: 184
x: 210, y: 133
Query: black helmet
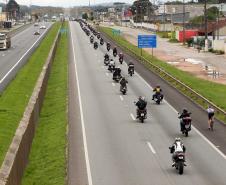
x: 185, y: 110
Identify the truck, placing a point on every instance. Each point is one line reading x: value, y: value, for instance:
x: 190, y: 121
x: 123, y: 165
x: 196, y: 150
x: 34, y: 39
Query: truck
x: 5, y: 41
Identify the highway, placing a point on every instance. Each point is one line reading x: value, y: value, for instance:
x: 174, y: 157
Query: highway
x: 115, y: 148
x: 23, y: 45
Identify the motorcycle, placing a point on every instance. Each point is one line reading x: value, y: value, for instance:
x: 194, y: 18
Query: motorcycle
x: 131, y: 71
x: 106, y: 62
x: 179, y: 162
x: 91, y: 41
x: 158, y: 98
x: 120, y: 60
x: 95, y: 46
x: 108, y: 48
x: 186, y: 125
x: 101, y: 42
x: 116, y: 78
x: 142, y: 115
x: 123, y: 89
x: 115, y: 54
x: 111, y: 68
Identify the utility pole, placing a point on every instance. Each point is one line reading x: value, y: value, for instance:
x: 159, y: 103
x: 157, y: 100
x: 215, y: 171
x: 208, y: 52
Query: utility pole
x: 206, y: 26
x: 183, y: 23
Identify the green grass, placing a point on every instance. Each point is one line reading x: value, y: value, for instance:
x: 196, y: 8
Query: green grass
x: 47, y: 160
x: 14, y: 99
x: 212, y: 91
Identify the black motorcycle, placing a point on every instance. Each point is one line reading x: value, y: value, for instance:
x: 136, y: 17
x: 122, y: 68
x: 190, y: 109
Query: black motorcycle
x: 179, y: 162
x: 102, y: 42
x: 186, y: 125
x: 123, y: 89
x: 158, y: 98
x: 106, y: 61
x: 111, y: 68
x: 95, y: 45
x: 117, y: 78
x: 91, y: 40
x: 142, y: 115
x: 120, y: 60
x: 131, y: 71
x: 114, y: 53
x: 108, y: 48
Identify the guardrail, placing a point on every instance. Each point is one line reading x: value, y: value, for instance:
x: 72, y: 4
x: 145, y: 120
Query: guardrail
x: 186, y: 90
x: 16, y: 159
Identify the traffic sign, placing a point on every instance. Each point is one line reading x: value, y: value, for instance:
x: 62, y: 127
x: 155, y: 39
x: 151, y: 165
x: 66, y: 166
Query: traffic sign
x: 147, y: 41
x: 116, y: 32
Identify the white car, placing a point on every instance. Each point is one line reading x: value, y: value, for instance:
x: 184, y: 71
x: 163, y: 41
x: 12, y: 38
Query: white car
x: 43, y: 27
x: 36, y: 24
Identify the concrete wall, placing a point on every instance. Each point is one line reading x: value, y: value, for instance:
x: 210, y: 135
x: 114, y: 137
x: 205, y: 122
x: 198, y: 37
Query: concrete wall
x: 218, y: 45
x: 16, y: 159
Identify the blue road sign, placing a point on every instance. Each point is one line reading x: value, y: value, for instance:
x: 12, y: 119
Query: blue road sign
x: 147, y: 41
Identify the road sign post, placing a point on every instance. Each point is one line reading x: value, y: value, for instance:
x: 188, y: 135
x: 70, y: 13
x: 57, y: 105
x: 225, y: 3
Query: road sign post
x: 147, y: 41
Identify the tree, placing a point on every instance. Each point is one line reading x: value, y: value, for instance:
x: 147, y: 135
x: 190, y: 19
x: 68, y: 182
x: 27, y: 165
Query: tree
x: 85, y: 16
x: 140, y: 8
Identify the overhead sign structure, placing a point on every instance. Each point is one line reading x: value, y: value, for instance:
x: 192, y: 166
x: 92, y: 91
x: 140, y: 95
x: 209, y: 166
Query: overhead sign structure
x: 116, y: 32
x: 147, y: 41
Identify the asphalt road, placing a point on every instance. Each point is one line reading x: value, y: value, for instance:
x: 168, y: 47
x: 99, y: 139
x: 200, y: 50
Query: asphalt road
x: 23, y: 45
x: 119, y: 150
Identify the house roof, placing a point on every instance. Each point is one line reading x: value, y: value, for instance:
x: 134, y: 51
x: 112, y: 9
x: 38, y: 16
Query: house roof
x: 212, y: 26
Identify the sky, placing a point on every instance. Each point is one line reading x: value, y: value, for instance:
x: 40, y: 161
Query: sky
x: 66, y: 3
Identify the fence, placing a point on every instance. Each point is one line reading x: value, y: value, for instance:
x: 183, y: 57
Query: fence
x: 16, y: 159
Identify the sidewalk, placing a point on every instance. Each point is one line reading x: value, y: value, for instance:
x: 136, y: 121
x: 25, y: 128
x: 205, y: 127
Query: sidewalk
x: 186, y: 59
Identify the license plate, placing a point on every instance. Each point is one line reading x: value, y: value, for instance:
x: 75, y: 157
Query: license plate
x: 187, y: 126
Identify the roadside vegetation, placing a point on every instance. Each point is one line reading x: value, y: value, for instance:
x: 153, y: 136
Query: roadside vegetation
x: 214, y: 92
x: 47, y: 160
x: 14, y: 99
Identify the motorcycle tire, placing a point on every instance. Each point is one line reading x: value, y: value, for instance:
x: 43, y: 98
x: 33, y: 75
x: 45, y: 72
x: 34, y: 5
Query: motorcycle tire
x: 180, y: 167
x: 186, y: 133
x: 142, y: 120
x: 131, y: 74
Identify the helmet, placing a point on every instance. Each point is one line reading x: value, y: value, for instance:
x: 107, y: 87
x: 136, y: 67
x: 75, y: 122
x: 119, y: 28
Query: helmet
x: 111, y: 59
x: 185, y: 110
x: 143, y: 98
x: 177, y: 139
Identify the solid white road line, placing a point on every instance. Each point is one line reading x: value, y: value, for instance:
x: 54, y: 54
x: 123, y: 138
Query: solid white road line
x: 23, y: 56
x: 196, y: 130
x: 82, y: 119
x: 151, y: 147
x: 132, y: 116
x: 121, y: 97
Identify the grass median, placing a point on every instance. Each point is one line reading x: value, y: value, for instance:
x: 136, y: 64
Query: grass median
x: 14, y: 99
x: 214, y: 92
x: 47, y: 160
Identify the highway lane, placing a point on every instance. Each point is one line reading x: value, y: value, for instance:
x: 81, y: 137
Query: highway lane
x: 122, y: 151
x: 23, y: 45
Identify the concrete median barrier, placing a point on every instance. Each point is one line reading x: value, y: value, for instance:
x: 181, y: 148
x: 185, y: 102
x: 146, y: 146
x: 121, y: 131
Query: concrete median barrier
x: 16, y: 159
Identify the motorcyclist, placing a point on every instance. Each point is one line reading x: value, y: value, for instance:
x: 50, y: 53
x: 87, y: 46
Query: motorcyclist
x: 121, y: 56
x: 106, y: 57
x: 117, y: 72
x: 210, y: 112
x: 95, y: 44
x: 108, y: 45
x: 123, y: 83
x: 177, y: 147
x: 141, y: 105
x: 91, y: 38
x: 115, y: 51
x: 111, y: 64
x: 157, y: 91
x: 130, y: 66
x: 183, y: 115
x: 101, y: 41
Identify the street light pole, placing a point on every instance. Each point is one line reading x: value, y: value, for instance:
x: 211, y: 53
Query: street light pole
x: 183, y: 23
x: 206, y: 26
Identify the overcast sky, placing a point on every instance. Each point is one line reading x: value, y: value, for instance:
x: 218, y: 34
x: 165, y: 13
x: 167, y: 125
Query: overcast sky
x: 66, y: 3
